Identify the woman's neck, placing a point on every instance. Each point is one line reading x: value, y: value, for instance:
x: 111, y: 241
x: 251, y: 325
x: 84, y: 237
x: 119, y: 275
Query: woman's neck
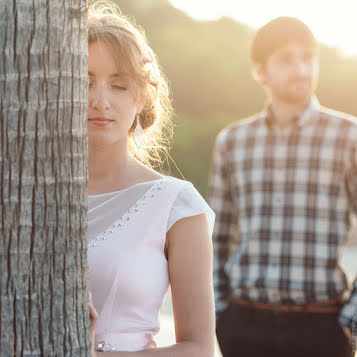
x: 112, y: 168
x: 108, y: 167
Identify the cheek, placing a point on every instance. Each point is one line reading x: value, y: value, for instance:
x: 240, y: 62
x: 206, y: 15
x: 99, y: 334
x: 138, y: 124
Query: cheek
x: 276, y: 77
x: 90, y: 107
x: 125, y: 110
x: 276, y: 74
x: 91, y: 99
x: 130, y: 107
x: 315, y: 69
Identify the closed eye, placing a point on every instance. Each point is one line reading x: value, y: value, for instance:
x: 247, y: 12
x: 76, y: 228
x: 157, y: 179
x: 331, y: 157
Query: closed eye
x: 118, y: 87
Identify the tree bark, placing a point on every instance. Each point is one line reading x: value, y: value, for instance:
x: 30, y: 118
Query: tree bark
x: 43, y: 178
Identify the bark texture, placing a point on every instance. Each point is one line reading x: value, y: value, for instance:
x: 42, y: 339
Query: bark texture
x: 43, y: 178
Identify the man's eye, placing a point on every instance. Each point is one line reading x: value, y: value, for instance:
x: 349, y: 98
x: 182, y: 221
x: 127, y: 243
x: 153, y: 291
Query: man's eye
x: 90, y: 85
x: 285, y: 59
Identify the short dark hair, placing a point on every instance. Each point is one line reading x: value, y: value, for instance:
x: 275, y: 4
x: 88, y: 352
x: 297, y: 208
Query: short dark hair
x: 277, y: 34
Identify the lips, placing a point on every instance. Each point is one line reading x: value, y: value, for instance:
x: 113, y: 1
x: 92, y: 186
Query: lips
x: 100, y: 121
x: 299, y: 81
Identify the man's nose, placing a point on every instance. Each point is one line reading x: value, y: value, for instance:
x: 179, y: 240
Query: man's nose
x: 302, y: 68
x: 100, y: 99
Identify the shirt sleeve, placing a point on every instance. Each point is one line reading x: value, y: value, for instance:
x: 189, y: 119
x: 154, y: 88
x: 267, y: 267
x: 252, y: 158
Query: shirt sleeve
x: 221, y: 201
x: 351, y: 179
x: 189, y: 203
x: 348, y: 315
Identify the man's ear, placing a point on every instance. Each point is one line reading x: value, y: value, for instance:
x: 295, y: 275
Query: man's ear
x: 259, y: 74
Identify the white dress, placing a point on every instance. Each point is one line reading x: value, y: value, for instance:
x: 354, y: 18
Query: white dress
x: 128, y: 271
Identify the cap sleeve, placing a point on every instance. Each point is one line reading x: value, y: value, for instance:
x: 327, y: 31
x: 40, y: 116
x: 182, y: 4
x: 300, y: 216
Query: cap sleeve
x: 189, y: 203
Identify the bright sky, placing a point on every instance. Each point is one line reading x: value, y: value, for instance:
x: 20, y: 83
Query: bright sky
x: 332, y: 22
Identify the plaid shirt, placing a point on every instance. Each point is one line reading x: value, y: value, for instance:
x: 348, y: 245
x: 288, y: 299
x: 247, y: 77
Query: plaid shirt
x: 283, y: 202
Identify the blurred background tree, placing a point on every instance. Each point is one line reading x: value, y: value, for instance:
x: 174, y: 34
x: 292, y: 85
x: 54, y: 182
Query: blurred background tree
x: 207, y: 64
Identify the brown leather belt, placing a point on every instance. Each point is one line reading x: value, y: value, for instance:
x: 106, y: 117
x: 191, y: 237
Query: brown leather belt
x: 328, y: 306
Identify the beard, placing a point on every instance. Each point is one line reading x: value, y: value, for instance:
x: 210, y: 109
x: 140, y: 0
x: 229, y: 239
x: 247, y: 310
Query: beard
x: 294, y: 91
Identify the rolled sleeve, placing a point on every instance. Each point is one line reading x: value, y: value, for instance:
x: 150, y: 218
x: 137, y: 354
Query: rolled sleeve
x: 221, y: 201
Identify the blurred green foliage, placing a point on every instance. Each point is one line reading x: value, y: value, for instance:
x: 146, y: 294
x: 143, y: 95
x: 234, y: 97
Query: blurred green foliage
x: 207, y: 64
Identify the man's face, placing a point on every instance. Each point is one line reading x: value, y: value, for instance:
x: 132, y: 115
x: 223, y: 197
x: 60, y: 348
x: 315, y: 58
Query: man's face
x: 290, y: 73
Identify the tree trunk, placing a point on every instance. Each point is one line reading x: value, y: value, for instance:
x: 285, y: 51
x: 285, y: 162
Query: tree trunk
x: 43, y: 178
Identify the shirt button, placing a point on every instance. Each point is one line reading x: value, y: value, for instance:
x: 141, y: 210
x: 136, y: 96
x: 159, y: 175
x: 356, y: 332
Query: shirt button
x: 275, y: 296
x: 279, y: 199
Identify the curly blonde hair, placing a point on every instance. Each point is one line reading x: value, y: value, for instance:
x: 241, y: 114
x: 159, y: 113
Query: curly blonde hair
x: 129, y: 46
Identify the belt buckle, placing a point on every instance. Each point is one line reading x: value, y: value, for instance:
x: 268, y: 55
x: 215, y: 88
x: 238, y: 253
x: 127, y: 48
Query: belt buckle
x: 276, y: 309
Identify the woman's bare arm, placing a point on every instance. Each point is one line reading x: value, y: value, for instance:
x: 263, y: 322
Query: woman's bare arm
x: 189, y: 250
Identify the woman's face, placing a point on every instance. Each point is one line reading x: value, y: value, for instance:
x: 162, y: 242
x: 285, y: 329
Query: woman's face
x: 112, y: 106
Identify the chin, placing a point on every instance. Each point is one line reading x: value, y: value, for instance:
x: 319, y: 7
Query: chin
x: 101, y: 140
x: 295, y: 98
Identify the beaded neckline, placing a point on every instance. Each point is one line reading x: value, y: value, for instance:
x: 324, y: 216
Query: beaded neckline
x: 125, y: 218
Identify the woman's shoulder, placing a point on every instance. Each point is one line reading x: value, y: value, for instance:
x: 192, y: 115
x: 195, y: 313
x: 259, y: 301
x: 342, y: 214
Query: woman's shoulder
x: 176, y: 181
x: 181, y: 188
x: 188, y: 202
x: 142, y: 173
x: 187, y: 195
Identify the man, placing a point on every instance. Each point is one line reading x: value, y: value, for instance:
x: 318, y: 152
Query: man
x: 283, y: 185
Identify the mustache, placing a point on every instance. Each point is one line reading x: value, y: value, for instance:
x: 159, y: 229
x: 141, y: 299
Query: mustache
x: 299, y: 80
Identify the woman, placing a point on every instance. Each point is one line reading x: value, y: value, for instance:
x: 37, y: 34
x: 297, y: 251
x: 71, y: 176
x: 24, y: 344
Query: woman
x: 145, y: 230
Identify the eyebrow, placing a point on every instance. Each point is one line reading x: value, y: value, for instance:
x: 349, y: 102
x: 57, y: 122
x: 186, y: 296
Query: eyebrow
x: 113, y: 75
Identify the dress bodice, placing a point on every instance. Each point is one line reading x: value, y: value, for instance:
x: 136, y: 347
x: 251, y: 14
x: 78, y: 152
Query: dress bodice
x: 128, y: 271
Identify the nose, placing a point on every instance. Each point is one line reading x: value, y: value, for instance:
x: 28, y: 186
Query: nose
x: 100, y: 100
x: 302, y: 68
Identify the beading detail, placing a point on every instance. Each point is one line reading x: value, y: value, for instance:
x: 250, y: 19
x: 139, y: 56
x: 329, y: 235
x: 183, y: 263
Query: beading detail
x: 102, y: 347
x: 120, y: 223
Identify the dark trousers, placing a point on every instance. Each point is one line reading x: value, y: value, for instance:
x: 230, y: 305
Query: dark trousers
x: 248, y: 332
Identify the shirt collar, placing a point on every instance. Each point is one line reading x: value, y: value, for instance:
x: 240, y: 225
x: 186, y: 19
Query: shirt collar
x: 302, y: 118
